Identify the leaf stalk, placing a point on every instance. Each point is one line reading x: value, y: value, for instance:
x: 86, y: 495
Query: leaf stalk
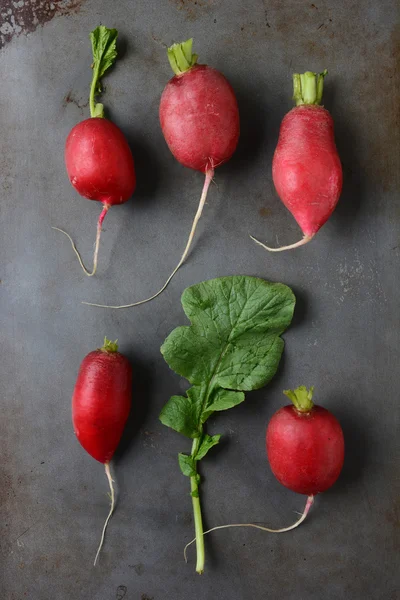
x: 198, y: 520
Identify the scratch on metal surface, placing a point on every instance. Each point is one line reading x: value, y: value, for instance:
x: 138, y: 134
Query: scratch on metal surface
x: 19, y: 543
x: 19, y: 17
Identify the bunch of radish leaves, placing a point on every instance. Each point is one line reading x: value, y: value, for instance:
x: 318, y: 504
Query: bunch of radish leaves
x: 233, y: 345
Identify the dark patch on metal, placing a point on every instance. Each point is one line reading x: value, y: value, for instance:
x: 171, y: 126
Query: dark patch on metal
x: 383, y: 158
x: 121, y: 592
x: 193, y: 8
x: 20, y: 17
x: 392, y: 516
x: 187, y: 518
x: 266, y: 16
x: 139, y: 568
x: 265, y: 212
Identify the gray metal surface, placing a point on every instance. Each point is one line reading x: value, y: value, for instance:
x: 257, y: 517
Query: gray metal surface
x: 345, y: 338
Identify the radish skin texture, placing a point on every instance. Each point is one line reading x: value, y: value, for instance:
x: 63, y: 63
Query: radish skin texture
x: 101, y: 402
x: 305, y: 448
x: 306, y: 168
x: 199, y: 118
x: 99, y: 162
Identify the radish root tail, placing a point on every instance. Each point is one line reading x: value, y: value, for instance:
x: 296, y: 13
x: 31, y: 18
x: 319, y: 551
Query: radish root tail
x: 110, y: 482
x: 305, y: 240
x: 96, y: 246
x: 304, y: 514
x: 208, y: 179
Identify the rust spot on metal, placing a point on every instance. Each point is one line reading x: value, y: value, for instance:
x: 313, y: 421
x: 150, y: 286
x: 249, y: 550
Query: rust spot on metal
x: 265, y: 212
x: 266, y: 15
x: 381, y: 84
x: 193, y: 8
x: 392, y: 516
x: 71, y: 99
x: 159, y: 41
x: 20, y: 17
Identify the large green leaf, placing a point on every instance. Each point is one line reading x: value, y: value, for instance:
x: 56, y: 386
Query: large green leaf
x: 233, y: 343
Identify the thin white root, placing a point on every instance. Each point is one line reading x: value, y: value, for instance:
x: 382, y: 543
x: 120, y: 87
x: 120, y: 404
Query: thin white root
x: 96, y: 246
x: 110, y: 481
x: 304, y: 514
x: 208, y: 179
x: 305, y: 240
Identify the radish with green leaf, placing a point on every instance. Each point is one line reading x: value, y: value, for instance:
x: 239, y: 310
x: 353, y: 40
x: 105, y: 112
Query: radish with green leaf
x: 97, y: 156
x: 306, y: 168
x: 233, y: 345
x: 305, y: 449
x: 199, y: 118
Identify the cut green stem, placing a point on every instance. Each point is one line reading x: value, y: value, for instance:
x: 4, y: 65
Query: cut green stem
x: 109, y: 346
x: 308, y: 87
x: 301, y: 398
x: 96, y: 109
x: 181, y: 57
x: 198, y: 520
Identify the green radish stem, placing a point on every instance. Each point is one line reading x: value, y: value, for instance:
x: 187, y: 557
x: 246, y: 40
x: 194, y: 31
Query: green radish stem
x: 303, y: 516
x: 104, y: 50
x: 301, y: 398
x: 198, y: 521
x: 181, y: 58
x: 308, y: 87
x: 96, y: 246
x: 109, y: 346
x: 207, y: 181
x: 96, y: 109
x: 110, y: 481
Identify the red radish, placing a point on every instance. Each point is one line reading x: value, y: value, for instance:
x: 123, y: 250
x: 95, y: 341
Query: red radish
x: 305, y: 448
x: 306, y: 168
x: 199, y: 118
x: 97, y: 156
x: 305, y: 445
x: 100, y: 407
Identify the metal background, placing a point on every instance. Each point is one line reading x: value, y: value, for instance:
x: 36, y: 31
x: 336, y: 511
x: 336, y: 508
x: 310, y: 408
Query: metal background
x: 344, y: 338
